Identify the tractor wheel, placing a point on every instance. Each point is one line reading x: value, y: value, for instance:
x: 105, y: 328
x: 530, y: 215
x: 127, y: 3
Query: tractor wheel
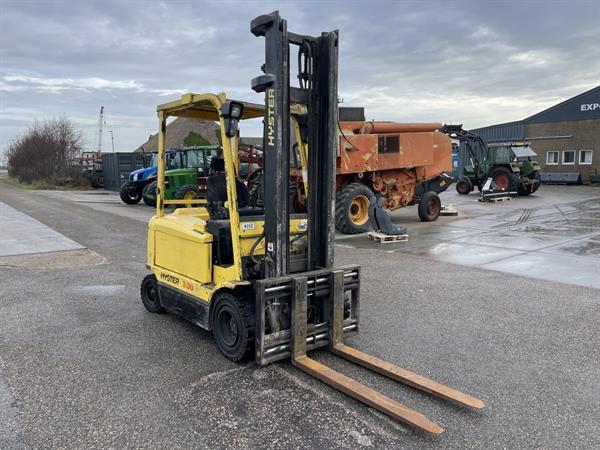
x: 464, y: 186
x: 186, y: 192
x: 352, y: 208
x: 233, y: 326
x: 149, y: 194
x: 503, y: 178
x: 149, y: 294
x: 429, y: 207
x: 98, y: 181
x: 130, y: 193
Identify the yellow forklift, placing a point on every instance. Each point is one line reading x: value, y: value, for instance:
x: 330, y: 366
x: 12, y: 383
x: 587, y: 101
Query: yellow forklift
x: 262, y: 279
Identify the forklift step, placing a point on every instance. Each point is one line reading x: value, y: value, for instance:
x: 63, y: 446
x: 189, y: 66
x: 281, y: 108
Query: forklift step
x: 386, y: 238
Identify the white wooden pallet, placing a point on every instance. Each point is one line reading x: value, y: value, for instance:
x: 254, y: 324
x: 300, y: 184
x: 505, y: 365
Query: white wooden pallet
x: 494, y: 199
x: 449, y: 211
x: 386, y: 238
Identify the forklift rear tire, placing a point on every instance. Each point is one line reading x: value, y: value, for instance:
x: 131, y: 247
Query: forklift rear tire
x: 149, y: 294
x: 233, y: 326
x: 352, y: 208
x: 186, y: 192
x: 130, y: 194
x: 149, y: 194
x: 429, y: 207
x: 464, y: 186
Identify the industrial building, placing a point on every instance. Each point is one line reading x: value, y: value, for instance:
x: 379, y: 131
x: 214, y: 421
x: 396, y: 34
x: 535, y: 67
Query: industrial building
x: 566, y: 138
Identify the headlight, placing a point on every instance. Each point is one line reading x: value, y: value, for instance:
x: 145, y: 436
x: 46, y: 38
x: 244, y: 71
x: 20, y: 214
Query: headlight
x: 135, y: 176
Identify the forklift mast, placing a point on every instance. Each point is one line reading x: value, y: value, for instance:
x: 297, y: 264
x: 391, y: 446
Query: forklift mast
x: 316, y: 101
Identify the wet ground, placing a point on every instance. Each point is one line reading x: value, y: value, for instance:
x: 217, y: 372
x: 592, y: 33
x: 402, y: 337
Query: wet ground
x: 559, y: 242
x: 83, y: 365
x: 552, y: 235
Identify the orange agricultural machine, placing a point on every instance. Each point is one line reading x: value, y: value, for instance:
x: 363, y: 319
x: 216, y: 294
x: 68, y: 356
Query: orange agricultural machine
x: 403, y: 162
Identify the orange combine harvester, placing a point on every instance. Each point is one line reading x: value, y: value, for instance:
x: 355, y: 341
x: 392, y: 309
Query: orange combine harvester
x: 405, y: 163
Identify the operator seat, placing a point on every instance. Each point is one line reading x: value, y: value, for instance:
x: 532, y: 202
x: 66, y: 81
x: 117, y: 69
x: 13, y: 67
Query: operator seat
x: 219, y: 226
x: 216, y: 185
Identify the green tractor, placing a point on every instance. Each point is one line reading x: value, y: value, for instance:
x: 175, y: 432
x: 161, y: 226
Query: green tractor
x: 189, y: 181
x: 510, y: 165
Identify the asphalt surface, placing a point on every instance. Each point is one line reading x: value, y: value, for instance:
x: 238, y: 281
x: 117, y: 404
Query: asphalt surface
x: 82, y: 364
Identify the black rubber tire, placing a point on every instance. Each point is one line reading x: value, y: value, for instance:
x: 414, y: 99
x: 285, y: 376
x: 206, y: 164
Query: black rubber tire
x: 150, y: 296
x: 129, y: 195
x: 180, y: 193
x: 233, y: 325
x: 98, y: 181
x: 430, y: 206
x: 343, y: 221
x: 464, y: 186
x: 150, y: 188
x: 500, y: 173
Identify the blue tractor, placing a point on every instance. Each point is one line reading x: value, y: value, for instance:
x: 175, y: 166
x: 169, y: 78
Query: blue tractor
x: 131, y: 191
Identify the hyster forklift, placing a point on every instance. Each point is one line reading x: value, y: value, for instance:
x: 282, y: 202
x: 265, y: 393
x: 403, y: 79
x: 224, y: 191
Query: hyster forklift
x: 262, y: 279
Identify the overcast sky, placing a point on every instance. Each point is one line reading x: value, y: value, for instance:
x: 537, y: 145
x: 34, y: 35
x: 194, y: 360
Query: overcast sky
x: 476, y: 63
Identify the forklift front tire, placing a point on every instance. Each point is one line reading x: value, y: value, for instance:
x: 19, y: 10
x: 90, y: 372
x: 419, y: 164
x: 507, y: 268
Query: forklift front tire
x: 149, y: 294
x: 233, y: 326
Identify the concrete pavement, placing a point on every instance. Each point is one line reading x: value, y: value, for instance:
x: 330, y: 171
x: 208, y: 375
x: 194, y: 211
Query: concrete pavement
x: 88, y: 367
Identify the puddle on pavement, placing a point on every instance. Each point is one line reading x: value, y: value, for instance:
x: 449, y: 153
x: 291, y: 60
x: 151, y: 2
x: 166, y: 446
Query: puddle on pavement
x: 589, y: 247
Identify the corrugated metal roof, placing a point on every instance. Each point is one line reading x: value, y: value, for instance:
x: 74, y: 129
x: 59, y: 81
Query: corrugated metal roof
x: 504, y: 132
x: 585, y: 106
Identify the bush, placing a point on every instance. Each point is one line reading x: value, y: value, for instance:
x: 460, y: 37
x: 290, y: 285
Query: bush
x: 46, y: 153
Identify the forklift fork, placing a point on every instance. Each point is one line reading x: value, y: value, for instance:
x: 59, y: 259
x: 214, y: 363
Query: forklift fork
x: 352, y: 387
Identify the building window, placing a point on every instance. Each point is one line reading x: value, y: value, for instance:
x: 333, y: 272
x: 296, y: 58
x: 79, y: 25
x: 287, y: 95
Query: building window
x: 552, y: 158
x: 568, y: 157
x: 585, y: 156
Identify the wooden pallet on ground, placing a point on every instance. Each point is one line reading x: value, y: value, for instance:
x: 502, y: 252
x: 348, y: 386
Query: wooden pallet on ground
x: 449, y: 211
x: 387, y: 238
x: 494, y: 199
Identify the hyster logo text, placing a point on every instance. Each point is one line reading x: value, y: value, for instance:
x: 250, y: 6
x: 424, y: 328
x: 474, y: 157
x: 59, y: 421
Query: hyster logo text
x: 169, y: 278
x: 590, y: 107
x: 271, y: 117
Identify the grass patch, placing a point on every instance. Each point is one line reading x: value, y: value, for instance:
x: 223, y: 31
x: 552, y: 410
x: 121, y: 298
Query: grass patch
x: 54, y: 184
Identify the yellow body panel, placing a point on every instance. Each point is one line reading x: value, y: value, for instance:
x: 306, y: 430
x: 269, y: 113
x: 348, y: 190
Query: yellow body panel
x: 180, y: 251
x: 179, y: 247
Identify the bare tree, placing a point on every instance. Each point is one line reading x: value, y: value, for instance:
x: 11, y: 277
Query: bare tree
x: 46, y: 151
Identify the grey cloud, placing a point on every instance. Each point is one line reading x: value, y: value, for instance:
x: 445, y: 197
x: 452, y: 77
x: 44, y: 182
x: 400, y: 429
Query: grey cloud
x: 471, y: 62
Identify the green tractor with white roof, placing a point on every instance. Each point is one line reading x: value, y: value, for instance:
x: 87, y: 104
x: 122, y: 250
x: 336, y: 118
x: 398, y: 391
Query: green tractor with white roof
x: 511, y: 166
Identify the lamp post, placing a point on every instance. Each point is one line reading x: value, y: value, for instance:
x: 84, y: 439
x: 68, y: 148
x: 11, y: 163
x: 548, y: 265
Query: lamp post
x: 112, y: 140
